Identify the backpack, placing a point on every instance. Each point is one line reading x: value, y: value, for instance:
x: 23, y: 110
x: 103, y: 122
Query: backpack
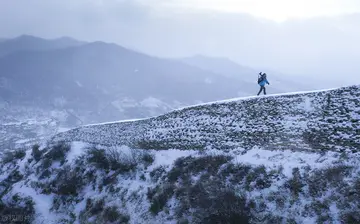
x: 262, y: 77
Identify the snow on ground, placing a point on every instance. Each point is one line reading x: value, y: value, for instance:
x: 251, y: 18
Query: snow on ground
x: 162, y: 157
x: 283, y: 122
x: 254, y: 97
x: 115, y: 122
x: 195, y: 127
x: 22, y: 141
x: 288, y: 159
x: 63, y: 129
x: 166, y: 158
x: 153, y: 102
x: 254, y: 157
x: 43, y: 203
x: 77, y: 149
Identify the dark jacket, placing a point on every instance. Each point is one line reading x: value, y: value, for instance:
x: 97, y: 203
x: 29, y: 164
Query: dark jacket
x: 264, y: 81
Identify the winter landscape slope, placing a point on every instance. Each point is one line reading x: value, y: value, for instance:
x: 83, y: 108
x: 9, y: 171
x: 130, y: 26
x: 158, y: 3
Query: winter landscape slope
x: 277, y: 159
x: 322, y: 120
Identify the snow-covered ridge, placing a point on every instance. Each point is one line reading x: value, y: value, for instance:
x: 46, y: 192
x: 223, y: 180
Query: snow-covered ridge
x: 254, y: 97
x: 318, y: 120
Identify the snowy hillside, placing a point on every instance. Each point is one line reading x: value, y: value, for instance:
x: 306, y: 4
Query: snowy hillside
x: 276, y: 159
x: 311, y: 121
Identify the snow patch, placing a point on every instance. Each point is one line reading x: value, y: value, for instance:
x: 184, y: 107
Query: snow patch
x: 63, y: 129
x: 77, y: 148
x: 306, y: 105
x: 22, y: 141
x: 288, y: 159
x: 115, y: 122
x: 43, y: 203
x: 167, y: 157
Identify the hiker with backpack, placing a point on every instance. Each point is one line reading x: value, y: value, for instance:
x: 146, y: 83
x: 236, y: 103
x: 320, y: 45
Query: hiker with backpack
x: 262, y: 80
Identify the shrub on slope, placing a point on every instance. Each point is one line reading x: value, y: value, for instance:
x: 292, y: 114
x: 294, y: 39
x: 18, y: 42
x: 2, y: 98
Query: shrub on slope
x: 195, y: 188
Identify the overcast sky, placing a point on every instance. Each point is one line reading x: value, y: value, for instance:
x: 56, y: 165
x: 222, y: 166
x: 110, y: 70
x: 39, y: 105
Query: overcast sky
x: 304, y: 37
x: 277, y: 10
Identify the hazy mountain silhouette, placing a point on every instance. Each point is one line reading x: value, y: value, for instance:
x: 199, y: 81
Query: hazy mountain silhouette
x: 92, y: 76
x: 27, y: 42
x: 223, y: 66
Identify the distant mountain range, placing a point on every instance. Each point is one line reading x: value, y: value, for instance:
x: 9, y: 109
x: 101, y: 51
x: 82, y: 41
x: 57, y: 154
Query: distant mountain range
x: 100, y: 81
x: 223, y: 66
x: 31, y: 43
x: 231, y: 69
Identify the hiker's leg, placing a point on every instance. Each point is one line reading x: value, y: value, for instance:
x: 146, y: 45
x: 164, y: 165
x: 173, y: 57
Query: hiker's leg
x: 260, y: 90
x: 264, y: 90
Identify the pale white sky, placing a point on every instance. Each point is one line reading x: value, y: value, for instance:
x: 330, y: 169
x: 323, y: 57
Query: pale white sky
x: 278, y: 10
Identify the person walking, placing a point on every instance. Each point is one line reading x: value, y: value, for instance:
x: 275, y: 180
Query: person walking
x: 262, y: 81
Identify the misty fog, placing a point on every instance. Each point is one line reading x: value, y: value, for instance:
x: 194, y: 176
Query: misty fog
x: 324, y: 48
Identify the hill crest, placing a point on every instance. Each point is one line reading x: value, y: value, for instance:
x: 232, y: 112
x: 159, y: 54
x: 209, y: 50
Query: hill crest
x: 310, y: 121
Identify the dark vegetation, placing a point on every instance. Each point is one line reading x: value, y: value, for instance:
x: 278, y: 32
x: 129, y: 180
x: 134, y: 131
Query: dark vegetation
x: 210, y: 189
x: 13, y: 156
x: 100, y: 213
x: 205, y: 189
x: 209, y: 199
x: 17, y: 210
